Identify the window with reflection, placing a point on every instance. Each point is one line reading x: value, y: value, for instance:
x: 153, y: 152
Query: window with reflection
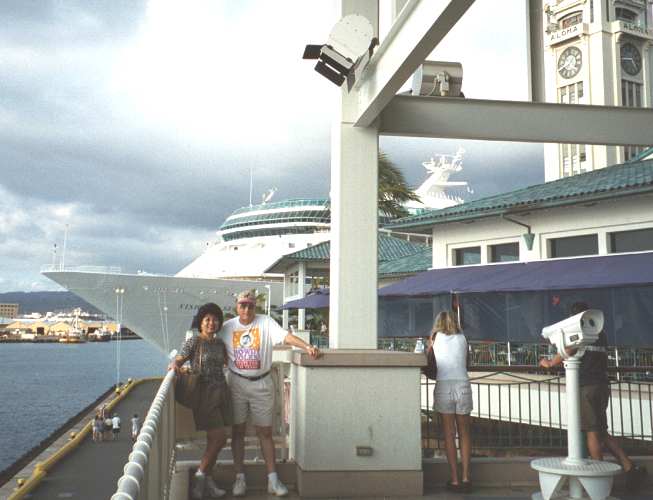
x: 637, y: 240
x: 505, y: 252
x: 573, y: 246
x: 626, y: 15
x: 466, y: 256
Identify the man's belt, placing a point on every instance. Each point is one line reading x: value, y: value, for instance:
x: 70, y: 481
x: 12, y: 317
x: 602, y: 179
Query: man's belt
x: 596, y: 348
x: 251, y: 379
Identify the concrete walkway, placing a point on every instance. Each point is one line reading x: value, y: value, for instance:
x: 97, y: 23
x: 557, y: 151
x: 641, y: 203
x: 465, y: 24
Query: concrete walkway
x: 92, y: 470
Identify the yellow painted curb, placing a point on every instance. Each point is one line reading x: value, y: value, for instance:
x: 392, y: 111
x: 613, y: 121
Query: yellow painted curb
x: 42, y: 468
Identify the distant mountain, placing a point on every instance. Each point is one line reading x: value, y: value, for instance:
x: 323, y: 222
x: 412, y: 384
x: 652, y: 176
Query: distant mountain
x: 42, y: 302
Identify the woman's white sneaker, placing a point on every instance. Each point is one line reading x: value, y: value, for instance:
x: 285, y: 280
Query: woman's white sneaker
x: 240, y: 486
x: 197, y: 491
x: 277, y: 488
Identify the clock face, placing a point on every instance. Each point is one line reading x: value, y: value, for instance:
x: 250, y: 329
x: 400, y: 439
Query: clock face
x: 631, y: 59
x: 570, y: 62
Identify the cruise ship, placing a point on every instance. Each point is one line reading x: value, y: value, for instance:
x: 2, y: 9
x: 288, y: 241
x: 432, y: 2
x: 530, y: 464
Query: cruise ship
x: 159, y: 308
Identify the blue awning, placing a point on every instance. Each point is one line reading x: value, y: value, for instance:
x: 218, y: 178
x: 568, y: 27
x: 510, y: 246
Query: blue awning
x: 617, y: 270
x: 316, y: 299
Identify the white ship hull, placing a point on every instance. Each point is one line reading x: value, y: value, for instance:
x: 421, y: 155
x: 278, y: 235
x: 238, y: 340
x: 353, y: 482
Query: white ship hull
x: 158, y: 308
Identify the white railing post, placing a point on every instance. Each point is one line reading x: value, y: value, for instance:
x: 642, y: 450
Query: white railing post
x: 147, y: 473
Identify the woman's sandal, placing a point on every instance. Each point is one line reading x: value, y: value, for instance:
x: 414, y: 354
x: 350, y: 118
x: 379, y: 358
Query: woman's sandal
x: 466, y: 486
x: 456, y: 488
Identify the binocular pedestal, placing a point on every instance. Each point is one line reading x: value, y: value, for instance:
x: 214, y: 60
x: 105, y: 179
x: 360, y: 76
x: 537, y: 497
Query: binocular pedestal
x: 593, y: 477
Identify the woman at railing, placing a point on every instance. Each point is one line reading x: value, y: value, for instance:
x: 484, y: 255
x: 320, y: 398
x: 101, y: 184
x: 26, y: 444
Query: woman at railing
x: 207, y: 355
x: 453, y: 396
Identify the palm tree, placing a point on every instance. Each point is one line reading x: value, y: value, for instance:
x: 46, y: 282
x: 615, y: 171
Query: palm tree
x: 393, y: 189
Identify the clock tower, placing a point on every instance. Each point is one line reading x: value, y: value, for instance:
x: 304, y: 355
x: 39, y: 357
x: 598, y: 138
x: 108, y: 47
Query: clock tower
x: 596, y: 52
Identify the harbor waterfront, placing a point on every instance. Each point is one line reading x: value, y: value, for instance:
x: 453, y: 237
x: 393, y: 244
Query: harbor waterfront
x: 45, y: 384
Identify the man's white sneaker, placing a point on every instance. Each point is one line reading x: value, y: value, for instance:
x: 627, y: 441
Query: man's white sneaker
x: 240, y: 487
x: 277, y: 488
x: 197, y: 492
x: 213, y: 490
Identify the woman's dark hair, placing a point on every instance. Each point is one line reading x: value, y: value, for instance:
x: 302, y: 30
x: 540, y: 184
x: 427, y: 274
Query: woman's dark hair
x: 205, y: 309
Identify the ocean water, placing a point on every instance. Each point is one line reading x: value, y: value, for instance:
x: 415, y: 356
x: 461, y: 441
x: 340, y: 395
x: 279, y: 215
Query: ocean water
x: 43, y: 385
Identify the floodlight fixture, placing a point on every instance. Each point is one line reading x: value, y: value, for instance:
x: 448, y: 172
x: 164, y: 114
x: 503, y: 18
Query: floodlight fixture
x: 438, y: 78
x: 347, y: 51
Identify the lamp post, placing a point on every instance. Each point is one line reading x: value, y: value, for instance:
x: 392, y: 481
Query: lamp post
x: 119, y: 302
x: 268, y: 301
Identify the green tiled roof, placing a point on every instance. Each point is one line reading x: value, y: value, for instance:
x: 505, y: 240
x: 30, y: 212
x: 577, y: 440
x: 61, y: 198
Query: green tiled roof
x: 418, y: 262
x: 609, y: 182
x: 389, y: 247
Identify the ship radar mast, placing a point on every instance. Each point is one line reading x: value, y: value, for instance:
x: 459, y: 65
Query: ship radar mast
x: 433, y: 191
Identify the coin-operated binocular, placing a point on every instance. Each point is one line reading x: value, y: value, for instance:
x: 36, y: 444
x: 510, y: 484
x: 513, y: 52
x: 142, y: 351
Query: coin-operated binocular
x: 575, y: 332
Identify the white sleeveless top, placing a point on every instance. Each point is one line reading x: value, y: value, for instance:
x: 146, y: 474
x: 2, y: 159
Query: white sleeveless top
x: 451, y: 356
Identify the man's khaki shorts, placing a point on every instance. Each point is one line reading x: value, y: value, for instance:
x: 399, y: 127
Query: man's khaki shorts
x: 593, y: 404
x: 252, y: 397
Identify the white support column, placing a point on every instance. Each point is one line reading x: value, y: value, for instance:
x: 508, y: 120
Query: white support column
x: 354, y: 182
x: 354, y: 218
x: 301, y: 281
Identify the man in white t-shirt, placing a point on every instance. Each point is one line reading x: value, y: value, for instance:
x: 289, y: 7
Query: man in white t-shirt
x: 249, y: 340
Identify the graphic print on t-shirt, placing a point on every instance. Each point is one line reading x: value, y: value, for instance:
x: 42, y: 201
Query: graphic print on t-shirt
x: 247, y: 349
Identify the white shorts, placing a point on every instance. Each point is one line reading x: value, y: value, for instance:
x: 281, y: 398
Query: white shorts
x: 453, y: 396
x: 252, y: 397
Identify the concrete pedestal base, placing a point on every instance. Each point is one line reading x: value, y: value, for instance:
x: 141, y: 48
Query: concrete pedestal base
x: 356, y: 423
x: 378, y: 484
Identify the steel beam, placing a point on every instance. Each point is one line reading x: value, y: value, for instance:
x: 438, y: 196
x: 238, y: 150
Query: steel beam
x: 419, y: 28
x: 456, y: 118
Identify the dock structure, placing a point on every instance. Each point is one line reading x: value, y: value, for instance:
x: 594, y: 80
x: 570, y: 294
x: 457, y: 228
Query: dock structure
x: 89, y: 469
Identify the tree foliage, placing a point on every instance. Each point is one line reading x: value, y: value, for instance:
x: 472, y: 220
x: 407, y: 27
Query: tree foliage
x: 393, y: 189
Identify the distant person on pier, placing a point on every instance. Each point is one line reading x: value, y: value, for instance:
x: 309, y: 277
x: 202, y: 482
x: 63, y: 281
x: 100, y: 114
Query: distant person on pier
x: 115, y: 425
x: 250, y: 339
x: 108, y: 427
x: 594, y: 398
x: 452, y: 396
x: 207, y: 355
x: 98, y: 428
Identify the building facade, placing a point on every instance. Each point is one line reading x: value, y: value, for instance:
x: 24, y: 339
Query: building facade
x: 9, y: 310
x: 596, y: 52
x: 599, y: 213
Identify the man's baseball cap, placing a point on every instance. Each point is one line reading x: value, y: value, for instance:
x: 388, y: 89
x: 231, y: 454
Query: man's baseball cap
x: 247, y: 297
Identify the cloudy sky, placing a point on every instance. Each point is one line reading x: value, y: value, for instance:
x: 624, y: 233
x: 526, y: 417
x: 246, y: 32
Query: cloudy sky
x: 135, y: 123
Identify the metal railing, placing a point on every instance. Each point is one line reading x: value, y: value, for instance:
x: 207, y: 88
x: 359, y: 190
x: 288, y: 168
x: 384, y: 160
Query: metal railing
x: 149, y: 470
x: 520, y: 410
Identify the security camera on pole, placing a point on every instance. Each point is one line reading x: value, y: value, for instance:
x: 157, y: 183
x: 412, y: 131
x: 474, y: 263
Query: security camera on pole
x: 585, y: 476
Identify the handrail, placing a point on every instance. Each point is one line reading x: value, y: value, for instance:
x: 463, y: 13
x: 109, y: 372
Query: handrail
x: 131, y: 483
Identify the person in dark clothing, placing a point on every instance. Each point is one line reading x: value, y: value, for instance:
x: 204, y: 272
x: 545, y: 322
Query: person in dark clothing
x: 594, y: 399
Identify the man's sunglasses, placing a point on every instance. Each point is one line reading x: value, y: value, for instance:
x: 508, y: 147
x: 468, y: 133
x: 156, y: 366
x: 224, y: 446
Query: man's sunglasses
x: 247, y: 306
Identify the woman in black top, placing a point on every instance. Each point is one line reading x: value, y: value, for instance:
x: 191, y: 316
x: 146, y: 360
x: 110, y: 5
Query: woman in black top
x: 207, y: 355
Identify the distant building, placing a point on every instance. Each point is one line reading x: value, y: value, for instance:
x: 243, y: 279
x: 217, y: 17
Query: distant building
x: 596, y: 53
x: 603, y: 212
x: 9, y: 310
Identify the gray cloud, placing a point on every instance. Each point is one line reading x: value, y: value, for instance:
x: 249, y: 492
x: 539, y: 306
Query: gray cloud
x: 137, y: 187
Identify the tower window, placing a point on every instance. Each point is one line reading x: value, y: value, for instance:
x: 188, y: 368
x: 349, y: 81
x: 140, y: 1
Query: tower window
x: 571, y: 19
x: 626, y: 15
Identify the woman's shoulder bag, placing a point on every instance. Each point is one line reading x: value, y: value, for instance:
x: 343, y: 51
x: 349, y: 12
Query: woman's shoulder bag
x: 187, y: 385
x: 431, y: 368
